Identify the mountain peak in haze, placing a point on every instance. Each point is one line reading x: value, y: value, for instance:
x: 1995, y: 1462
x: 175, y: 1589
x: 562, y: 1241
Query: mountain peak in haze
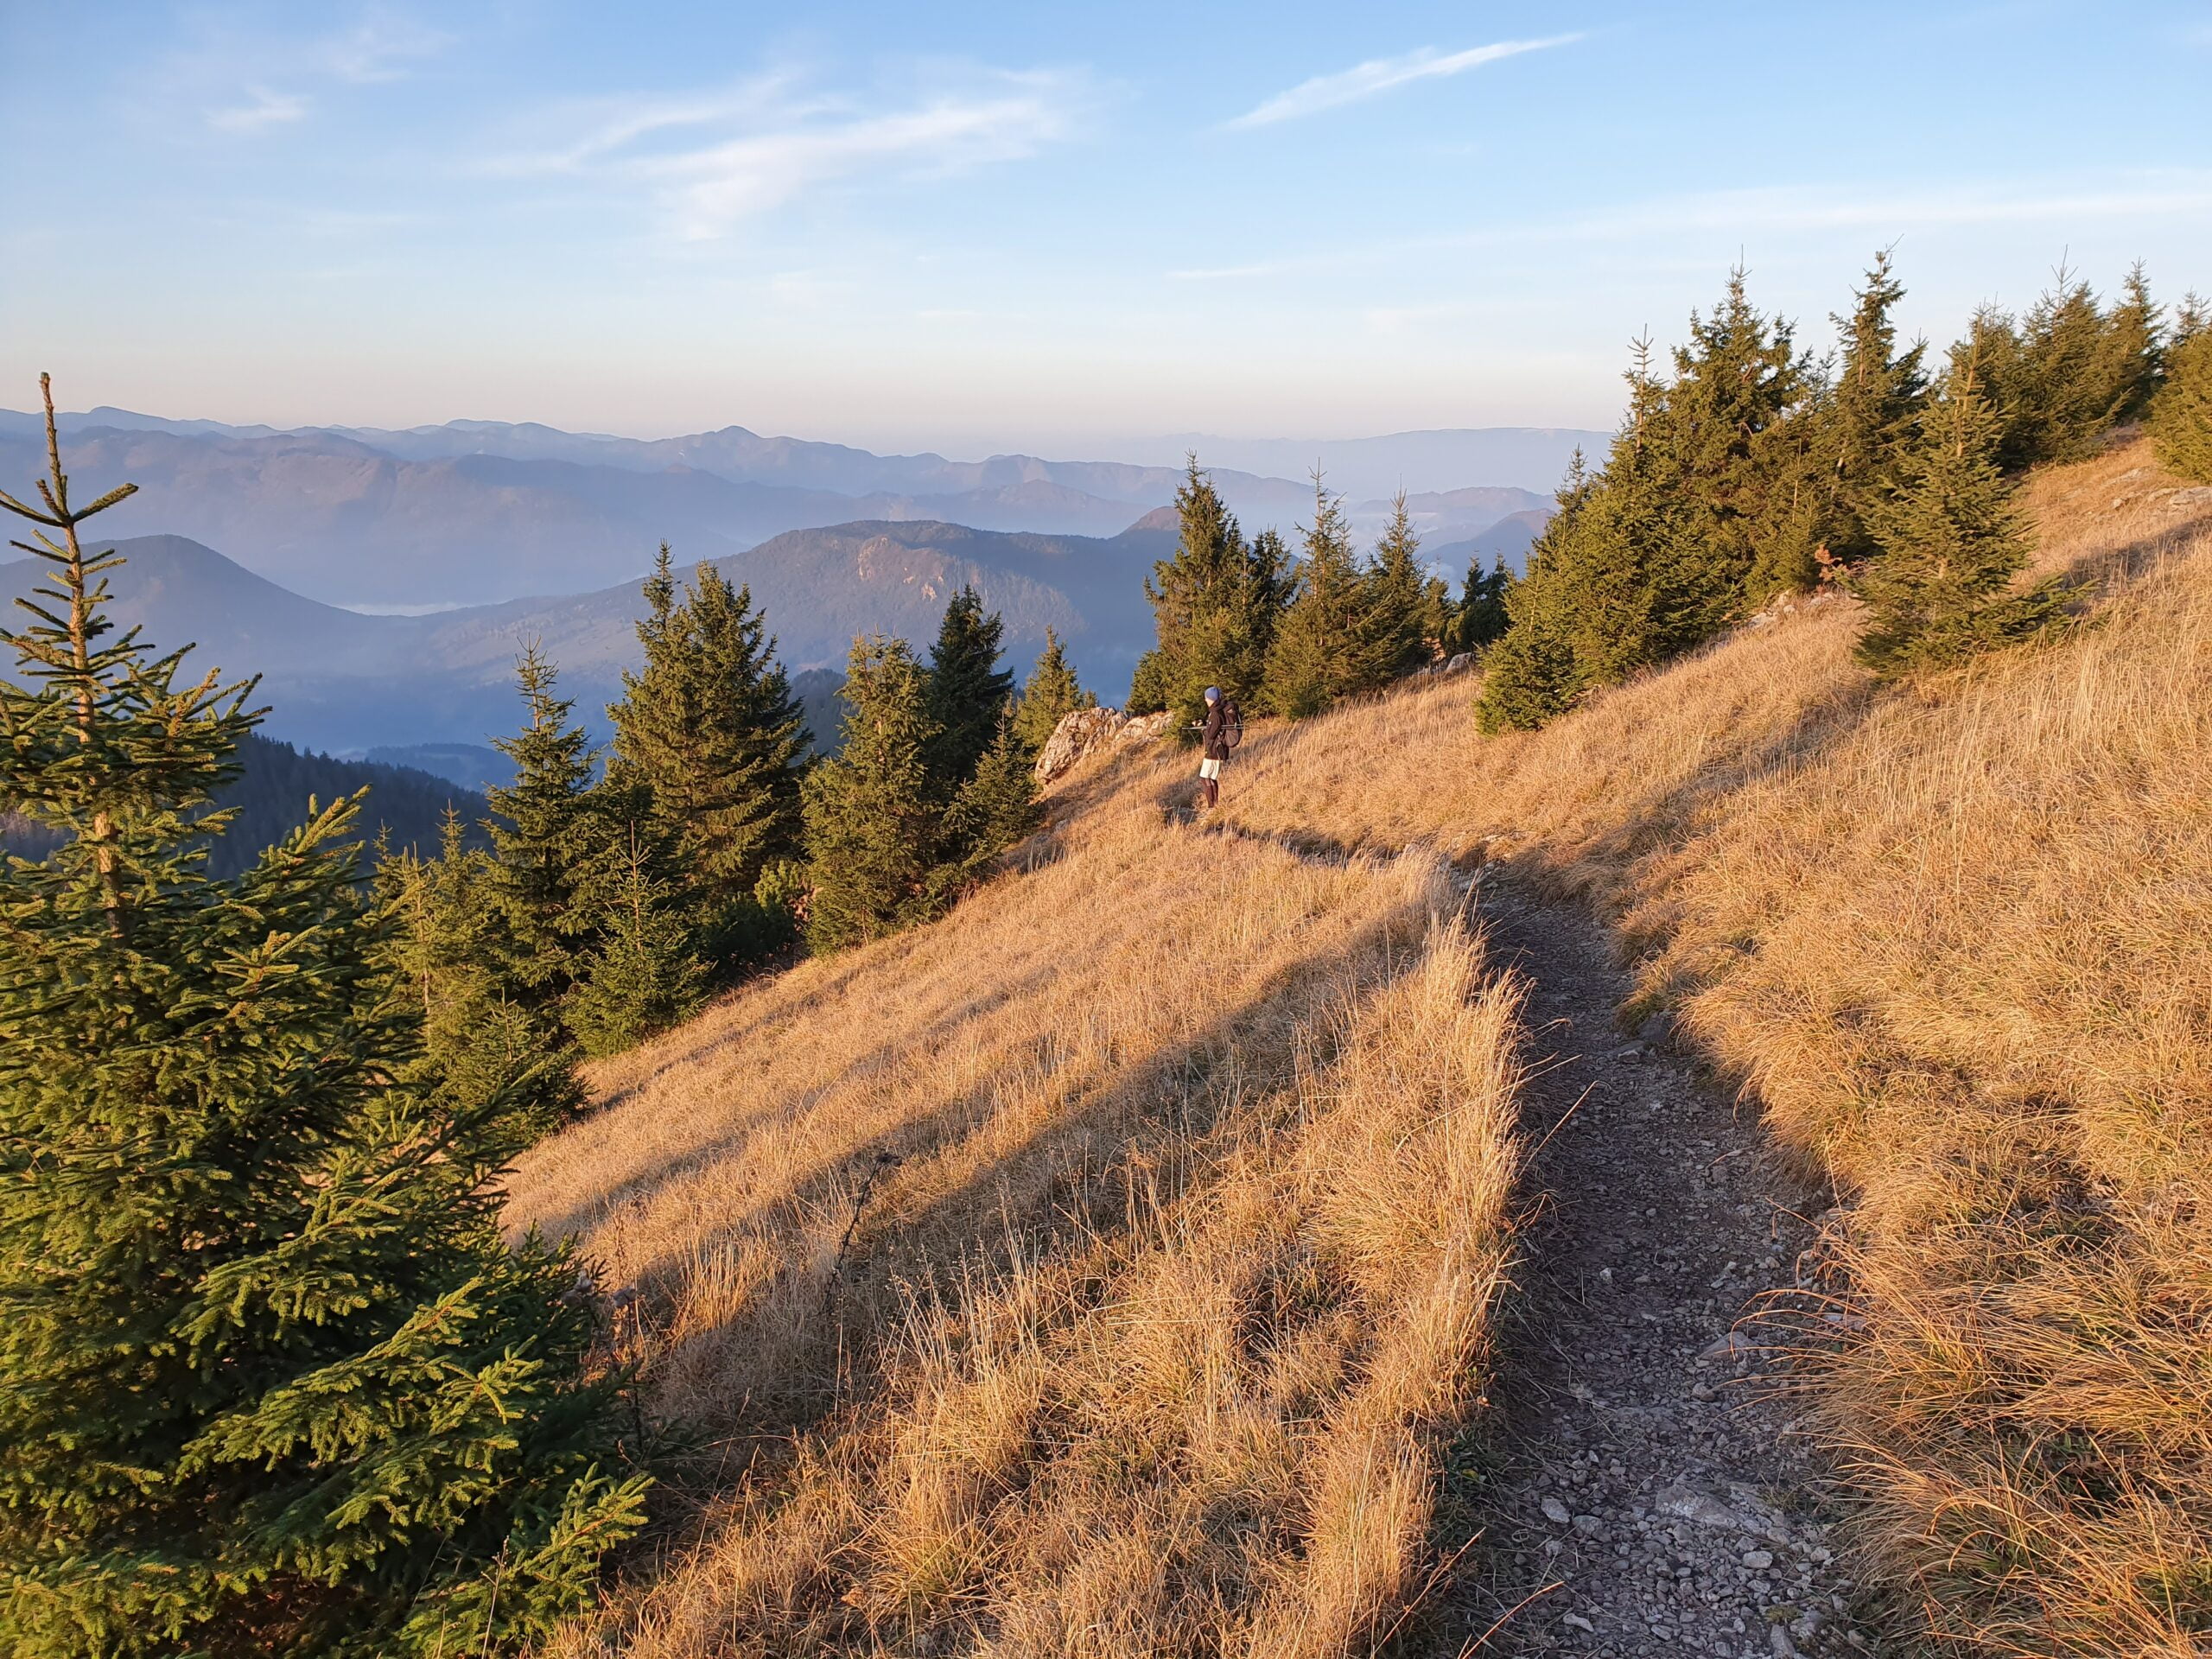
x: 479, y: 511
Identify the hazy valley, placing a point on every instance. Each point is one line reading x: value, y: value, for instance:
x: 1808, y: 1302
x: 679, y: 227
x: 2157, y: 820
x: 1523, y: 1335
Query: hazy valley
x: 480, y: 513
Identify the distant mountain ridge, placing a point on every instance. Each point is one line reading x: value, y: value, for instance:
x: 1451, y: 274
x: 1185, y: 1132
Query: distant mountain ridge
x: 478, y: 511
x: 337, y: 680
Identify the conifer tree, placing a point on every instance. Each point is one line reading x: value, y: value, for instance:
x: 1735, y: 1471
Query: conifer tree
x: 1873, y: 415
x: 1950, y: 541
x: 995, y: 809
x: 1480, y: 617
x: 1052, y: 695
x: 1402, y: 618
x: 2181, y: 416
x: 1216, y: 605
x: 1740, y: 470
x: 967, y: 691
x: 710, y: 729
x: 1620, y: 579
x: 2134, y: 355
x: 1325, y: 647
x: 544, y: 836
x: 2065, y: 374
x: 449, y: 949
x: 271, y: 1382
x: 1531, y: 675
x: 643, y: 975
x: 876, y: 827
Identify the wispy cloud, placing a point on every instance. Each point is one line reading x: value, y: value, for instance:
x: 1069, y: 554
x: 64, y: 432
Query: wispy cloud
x: 384, y: 45
x: 1233, y: 273
x: 1380, y: 75
x: 714, y: 160
x: 263, y: 108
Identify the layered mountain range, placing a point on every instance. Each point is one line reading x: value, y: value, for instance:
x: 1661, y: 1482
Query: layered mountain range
x: 482, y: 513
x: 382, y: 584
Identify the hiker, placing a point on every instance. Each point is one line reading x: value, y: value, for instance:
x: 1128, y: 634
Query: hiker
x: 1224, y: 727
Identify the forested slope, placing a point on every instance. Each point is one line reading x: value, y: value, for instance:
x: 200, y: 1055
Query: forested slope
x: 404, y: 812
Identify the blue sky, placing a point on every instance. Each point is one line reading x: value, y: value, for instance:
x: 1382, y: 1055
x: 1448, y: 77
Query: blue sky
x: 974, y: 227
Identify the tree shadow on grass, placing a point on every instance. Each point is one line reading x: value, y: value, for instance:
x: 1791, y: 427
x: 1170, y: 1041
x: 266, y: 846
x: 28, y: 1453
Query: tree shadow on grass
x: 968, y: 1199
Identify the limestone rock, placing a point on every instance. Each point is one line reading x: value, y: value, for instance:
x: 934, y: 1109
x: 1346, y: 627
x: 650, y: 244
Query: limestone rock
x: 1087, y: 732
x: 1145, y: 728
x: 1081, y: 732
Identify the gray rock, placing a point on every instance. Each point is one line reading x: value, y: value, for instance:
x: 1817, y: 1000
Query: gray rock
x: 1081, y: 732
x: 1735, y: 1342
x: 1556, y: 1512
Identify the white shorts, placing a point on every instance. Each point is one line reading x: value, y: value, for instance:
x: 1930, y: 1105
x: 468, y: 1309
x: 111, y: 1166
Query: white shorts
x: 1208, y: 768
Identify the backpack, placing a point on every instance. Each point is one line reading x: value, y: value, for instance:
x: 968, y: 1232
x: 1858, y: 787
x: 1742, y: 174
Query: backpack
x: 1232, y: 729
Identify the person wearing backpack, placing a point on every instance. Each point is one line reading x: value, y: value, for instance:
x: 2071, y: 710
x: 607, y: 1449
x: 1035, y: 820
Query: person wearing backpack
x: 1223, y: 731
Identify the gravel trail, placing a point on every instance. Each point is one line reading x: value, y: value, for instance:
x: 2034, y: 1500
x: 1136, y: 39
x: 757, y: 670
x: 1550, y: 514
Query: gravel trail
x: 1647, y: 1493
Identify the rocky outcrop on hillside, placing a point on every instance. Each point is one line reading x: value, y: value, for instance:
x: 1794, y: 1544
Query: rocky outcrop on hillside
x: 1086, y: 732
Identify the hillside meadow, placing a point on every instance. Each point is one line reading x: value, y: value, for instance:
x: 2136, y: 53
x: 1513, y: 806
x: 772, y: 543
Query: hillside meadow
x: 1103, y: 1269
x: 1955, y: 944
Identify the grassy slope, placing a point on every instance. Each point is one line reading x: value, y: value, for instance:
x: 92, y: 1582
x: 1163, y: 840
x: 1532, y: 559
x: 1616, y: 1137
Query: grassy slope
x: 1958, y: 946
x: 1179, y: 1390
x: 1100, y: 1270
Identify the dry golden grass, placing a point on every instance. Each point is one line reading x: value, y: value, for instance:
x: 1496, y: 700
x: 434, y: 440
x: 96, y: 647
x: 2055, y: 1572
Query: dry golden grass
x: 1145, y: 1344
x: 1149, y: 1340
x: 1958, y: 943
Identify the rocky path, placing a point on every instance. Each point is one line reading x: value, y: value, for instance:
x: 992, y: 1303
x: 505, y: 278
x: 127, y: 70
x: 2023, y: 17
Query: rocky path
x: 1647, y: 1493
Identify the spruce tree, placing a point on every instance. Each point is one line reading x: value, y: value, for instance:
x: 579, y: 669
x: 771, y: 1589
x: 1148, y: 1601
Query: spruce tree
x: 1739, y: 468
x: 2067, y: 373
x: 1950, y: 543
x: 1530, y: 675
x: 1873, y: 414
x: 1710, y: 500
x: 2181, y: 416
x: 450, y: 948
x: 1480, y: 617
x: 1216, y: 605
x: 1052, y: 695
x: 2134, y: 356
x: 270, y: 1381
x: 1620, y: 579
x: 1325, y: 647
x: 544, y: 833
x: 875, y: 829
x: 642, y: 976
x: 967, y: 691
x: 710, y: 729
x: 995, y: 809
x: 1401, y: 620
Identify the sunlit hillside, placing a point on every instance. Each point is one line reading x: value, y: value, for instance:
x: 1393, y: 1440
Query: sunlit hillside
x: 1103, y: 1269
x: 1100, y: 1270
x: 1957, y: 946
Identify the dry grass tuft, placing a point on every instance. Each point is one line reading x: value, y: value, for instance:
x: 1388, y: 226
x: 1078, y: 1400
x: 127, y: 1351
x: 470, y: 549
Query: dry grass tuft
x: 1150, y: 1338
x: 1958, y: 943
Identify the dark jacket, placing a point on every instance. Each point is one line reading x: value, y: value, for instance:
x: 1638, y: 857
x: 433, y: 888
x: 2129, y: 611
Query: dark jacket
x: 1213, y: 739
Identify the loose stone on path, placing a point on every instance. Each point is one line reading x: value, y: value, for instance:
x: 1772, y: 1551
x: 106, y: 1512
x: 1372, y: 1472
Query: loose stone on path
x: 1645, y: 1470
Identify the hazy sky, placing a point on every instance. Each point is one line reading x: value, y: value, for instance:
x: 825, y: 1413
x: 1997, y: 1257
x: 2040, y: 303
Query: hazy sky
x: 970, y: 226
